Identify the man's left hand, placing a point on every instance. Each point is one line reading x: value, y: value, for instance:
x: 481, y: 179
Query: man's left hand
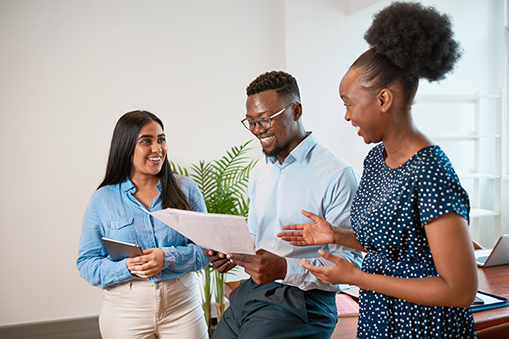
x: 264, y: 267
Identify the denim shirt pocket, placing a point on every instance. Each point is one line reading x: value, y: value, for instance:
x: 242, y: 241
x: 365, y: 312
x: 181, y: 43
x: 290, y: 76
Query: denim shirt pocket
x: 122, y: 229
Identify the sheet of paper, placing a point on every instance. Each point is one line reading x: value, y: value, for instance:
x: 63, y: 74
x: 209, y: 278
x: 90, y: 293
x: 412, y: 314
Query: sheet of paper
x: 488, y: 300
x: 352, y: 290
x: 219, y: 232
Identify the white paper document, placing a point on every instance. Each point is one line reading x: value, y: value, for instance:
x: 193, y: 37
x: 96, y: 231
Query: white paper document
x: 488, y: 300
x: 219, y: 232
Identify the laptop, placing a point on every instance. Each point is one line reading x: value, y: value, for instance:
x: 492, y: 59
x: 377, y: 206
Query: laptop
x: 499, y: 255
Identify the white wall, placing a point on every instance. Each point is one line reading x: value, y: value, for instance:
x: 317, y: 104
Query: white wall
x: 70, y: 68
x: 323, y: 40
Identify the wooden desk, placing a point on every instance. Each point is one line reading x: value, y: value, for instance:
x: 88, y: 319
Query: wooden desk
x: 493, y: 280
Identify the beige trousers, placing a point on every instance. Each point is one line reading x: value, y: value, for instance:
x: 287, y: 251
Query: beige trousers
x: 143, y: 309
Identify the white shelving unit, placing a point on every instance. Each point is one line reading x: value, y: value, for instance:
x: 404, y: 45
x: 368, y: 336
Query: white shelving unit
x: 474, y: 129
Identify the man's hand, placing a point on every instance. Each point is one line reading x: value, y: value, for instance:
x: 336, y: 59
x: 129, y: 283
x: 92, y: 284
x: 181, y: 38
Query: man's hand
x: 318, y: 232
x: 264, y: 267
x: 219, y: 261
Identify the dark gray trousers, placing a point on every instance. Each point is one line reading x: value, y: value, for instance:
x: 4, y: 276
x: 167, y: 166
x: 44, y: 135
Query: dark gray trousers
x: 276, y: 311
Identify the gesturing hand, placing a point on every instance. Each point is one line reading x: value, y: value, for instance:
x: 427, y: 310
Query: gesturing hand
x: 148, y: 264
x: 318, y: 232
x: 342, y: 272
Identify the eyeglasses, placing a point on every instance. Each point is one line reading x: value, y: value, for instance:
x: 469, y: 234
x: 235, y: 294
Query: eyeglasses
x: 263, y: 122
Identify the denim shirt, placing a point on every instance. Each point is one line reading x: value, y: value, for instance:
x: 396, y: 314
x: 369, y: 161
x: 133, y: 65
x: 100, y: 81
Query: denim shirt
x: 113, y: 212
x: 311, y: 178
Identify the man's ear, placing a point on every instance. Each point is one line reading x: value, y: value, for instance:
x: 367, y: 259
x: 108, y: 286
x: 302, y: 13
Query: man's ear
x: 385, y: 99
x: 297, y: 111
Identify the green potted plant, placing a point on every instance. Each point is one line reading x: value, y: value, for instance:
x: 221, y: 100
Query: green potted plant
x: 223, y: 184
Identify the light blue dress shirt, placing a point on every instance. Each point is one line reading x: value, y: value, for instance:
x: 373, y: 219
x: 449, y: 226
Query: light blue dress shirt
x: 314, y: 179
x: 113, y: 212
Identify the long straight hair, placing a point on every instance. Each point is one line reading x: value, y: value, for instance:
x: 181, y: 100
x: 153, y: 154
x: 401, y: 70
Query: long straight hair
x: 122, y: 148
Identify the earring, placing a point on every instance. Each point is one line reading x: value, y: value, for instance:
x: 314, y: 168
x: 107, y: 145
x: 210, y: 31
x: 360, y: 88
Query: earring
x: 383, y: 109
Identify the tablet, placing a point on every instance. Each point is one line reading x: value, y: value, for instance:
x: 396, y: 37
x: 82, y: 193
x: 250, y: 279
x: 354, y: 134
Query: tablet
x: 119, y: 250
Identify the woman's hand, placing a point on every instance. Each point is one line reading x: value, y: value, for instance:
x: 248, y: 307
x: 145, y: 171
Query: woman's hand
x: 342, y: 272
x: 318, y: 232
x: 148, y: 264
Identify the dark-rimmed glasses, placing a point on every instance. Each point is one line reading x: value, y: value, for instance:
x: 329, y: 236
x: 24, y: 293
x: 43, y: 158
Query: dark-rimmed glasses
x: 263, y: 122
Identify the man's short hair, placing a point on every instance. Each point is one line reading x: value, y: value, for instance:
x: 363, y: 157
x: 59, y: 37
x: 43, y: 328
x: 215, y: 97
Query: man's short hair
x: 283, y: 83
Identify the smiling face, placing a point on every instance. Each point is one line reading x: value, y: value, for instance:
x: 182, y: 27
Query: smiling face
x: 150, y: 151
x: 362, y: 107
x: 284, y: 134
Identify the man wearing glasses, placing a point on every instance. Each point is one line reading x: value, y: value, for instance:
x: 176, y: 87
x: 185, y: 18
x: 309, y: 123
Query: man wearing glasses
x: 282, y: 299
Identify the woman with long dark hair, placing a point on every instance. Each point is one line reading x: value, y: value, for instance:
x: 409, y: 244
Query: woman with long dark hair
x: 153, y: 295
x: 410, y: 213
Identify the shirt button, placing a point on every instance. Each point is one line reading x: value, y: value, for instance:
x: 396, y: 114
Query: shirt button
x: 283, y: 170
x: 277, y: 222
x: 278, y: 196
x: 272, y: 246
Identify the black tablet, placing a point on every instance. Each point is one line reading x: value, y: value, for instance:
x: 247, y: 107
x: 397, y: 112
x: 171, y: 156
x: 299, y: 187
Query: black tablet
x: 119, y: 250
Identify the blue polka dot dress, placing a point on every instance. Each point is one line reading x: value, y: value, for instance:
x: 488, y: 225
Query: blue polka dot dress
x: 388, y: 216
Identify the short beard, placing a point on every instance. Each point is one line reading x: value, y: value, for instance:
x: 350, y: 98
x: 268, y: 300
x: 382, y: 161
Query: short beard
x: 277, y: 149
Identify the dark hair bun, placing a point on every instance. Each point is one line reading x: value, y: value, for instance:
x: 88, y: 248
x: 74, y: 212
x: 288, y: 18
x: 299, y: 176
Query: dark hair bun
x: 418, y: 39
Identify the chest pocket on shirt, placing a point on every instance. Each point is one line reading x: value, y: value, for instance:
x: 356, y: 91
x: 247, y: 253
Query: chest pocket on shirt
x: 122, y: 229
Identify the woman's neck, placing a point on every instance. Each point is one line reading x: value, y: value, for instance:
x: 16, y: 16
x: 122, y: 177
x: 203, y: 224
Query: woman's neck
x: 146, y: 189
x: 145, y: 182
x: 402, y: 142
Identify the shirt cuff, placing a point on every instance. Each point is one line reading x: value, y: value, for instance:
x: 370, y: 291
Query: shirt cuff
x: 294, y: 272
x: 298, y: 276
x: 169, y: 257
x: 122, y: 271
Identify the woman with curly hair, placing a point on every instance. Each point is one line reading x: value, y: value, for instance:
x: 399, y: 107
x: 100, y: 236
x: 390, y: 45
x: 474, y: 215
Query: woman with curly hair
x: 410, y: 212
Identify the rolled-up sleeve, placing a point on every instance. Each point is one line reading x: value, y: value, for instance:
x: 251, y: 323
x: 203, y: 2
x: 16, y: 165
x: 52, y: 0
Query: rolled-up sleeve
x: 93, y: 262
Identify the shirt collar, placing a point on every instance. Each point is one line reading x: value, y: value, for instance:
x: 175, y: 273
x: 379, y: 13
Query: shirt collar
x: 128, y: 186
x: 300, y: 152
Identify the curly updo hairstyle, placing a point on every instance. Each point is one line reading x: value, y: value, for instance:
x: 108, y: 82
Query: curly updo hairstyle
x: 284, y: 84
x: 408, y: 42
